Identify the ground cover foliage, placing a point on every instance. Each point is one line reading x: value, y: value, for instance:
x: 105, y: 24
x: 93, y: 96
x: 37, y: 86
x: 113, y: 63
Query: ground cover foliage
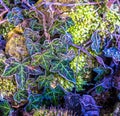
x: 59, y: 57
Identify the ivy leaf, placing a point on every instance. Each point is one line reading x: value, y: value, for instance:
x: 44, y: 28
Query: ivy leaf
x: 32, y: 47
x: 43, y: 59
x: 4, y: 108
x: 21, y: 77
x: 68, y: 57
x: 11, y: 69
x: 30, y: 34
x: 35, y: 101
x: 20, y: 95
x: 63, y: 69
x: 57, y: 28
x: 69, y: 22
x: 55, y: 45
x: 2, y: 66
x: 21, y: 70
x: 15, y: 16
x: 99, y: 89
x: 100, y: 72
x: 34, y: 25
x: 112, y: 52
x: 96, y: 41
x: 54, y: 93
x: 44, y: 81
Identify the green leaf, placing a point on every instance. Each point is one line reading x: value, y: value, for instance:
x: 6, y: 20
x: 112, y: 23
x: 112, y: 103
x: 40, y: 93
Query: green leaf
x: 44, y: 81
x: 20, y: 95
x: 55, y: 45
x: 32, y: 47
x: 54, y: 93
x: 10, y: 69
x: 63, y: 69
x: 99, y: 89
x: 21, y: 77
x: 21, y: 71
x: 43, y: 59
x: 4, y: 108
x: 35, y: 25
x: 100, y: 73
x: 35, y: 101
x: 57, y: 28
x: 30, y: 34
x: 2, y: 66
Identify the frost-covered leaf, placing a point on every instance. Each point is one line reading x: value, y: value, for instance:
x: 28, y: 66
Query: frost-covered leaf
x: 67, y: 38
x: 11, y: 69
x: 2, y: 66
x: 34, y: 25
x: 44, y: 81
x: 70, y: 22
x: 55, y: 45
x: 21, y: 70
x: 30, y: 34
x: 112, y: 52
x: 21, y: 77
x: 4, y: 108
x: 63, y: 69
x: 15, y: 16
x: 20, y: 95
x: 57, y: 28
x: 43, y: 59
x: 100, y: 72
x: 17, y: 2
x: 35, y: 101
x: 96, y: 41
x: 32, y: 47
x: 54, y: 94
x: 68, y: 57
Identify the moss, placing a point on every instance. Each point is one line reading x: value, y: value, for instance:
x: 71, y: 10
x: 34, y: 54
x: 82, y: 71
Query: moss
x: 87, y: 20
x: 7, y: 86
x: 69, y: 85
x: 53, y: 112
x: 5, y: 28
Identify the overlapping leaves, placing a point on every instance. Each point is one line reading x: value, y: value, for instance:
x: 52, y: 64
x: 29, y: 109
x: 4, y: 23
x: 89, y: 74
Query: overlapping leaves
x: 32, y: 47
x: 63, y: 69
x: 55, y: 45
x: 43, y: 59
x: 4, y: 108
x: 20, y: 95
x: 35, y: 101
x: 30, y: 34
x: 54, y: 94
x: 15, y: 16
x: 44, y: 81
x: 21, y: 70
